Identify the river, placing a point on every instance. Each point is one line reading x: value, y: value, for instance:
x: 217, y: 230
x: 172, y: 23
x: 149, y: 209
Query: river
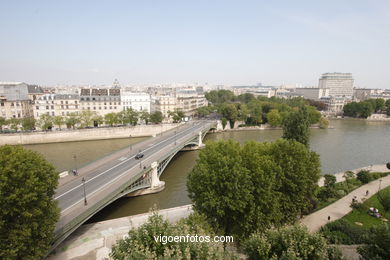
x: 350, y: 144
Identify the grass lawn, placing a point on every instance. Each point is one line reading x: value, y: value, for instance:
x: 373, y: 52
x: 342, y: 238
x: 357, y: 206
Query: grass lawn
x: 361, y: 215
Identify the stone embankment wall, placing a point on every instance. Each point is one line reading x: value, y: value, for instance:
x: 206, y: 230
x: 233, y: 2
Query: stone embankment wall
x: 84, y: 134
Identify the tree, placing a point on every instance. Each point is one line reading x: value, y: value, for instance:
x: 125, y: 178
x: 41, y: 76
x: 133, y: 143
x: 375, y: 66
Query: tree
x: 29, y: 213
x: 176, y: 115
x: 296, y: 126
x: 3, y: 122
x: 145, y: 116
x: 364, y: 176
x: 314, y: 115
x: 219, y: 96
x: 384, y: 199
x: 224, y: 122
x: 111, y: 119
x: 377, y: 245
x: 150, y: 241
x: 230, y: 112
x: 293, y: 242
x: 87, y: 117
x: 323, y: 123
x: 156, y: 117
x: 46, y: 122
x: 58, y: 121
x: 388, y: 165
x: 13, y: 123
x: 241, y: 189
x: 28, y: 123
x: 274, y: 118
x: 365, y: 109
x: 379, y: 104
x: 203, y: 111
x: 351, y: 109
x: 255, y: 112
x: 72, y: 120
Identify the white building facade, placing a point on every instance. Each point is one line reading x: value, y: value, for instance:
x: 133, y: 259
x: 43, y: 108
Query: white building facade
x: 137, y: 101
x: 339, y: 84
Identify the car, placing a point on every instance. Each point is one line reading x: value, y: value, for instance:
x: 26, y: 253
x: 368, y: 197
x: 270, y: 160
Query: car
x: 139, y: 156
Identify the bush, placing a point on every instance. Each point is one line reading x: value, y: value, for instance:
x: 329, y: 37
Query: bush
x: 289, y: 243
x: 364, y: 176
x: 343, y: 232
x: 377, y: 246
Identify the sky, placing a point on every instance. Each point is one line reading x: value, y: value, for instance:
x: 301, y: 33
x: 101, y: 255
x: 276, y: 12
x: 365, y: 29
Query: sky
x: 216, y: 42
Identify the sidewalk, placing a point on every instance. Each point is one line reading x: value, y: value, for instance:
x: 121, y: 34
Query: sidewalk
x: 342, y: 207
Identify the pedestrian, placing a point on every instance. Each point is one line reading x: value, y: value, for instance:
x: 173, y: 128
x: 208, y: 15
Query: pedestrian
x: 328, y: 218
x: 367, y: 192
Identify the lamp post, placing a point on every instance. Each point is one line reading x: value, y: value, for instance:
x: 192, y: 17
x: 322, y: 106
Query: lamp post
x: 131, y: 146
x: 75, y: 164
x: 380, y: 182
x: 175, y: 137
x: 85, y: 195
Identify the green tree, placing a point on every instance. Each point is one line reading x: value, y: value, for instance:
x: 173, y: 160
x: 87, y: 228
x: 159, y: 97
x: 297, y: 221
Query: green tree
x: 58, y: 121
x: 143, y: 243
x: 13, y: 123
x: 351, y: 109
x: 156, y: 117
x: 28, y: 123
x: 365, y: 109
x: 379, y: 104
x: 255, y: 112
x: 323, y: 123
x: 46, y: 122
x: 377, y: 246
x: 145, y: 116
x: 203, y: 111
x: 128, y: 116
x: 314, y: 115
x: 98, y: 120
x: 72, y: 120
x: 289, y: 243
x: 224, y: 122
x: 87, y: 117
x: 176, y: 115
x: 296, y: 126
x: 219, y: 96
x: 274, y: 118
x: 364, y: 176
x: 384, y: 199
x: 241, y: 189
x: 230, y: 112
x: 29, y: 213
x: 111, y: 119
x: 3, y: 122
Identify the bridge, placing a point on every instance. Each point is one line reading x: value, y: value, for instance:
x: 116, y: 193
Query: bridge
x: 119, y: 174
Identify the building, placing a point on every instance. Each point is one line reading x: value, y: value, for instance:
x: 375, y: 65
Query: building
x: 334, y: 104
x: 137, y: 101
x: 14, y: 100
x: 165, y: 104
x: 313, y: 93
x: 189, y: 99
x: 103, y: 101
x: 361, y: 94
x: 339, y: 84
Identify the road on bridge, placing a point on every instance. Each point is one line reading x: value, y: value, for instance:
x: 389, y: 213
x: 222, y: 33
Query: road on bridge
x: 107, y: 174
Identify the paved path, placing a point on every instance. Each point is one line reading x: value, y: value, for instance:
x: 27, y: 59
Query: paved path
x: 342, y: 207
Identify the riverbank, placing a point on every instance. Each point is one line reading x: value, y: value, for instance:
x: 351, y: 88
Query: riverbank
x: 94, y: 241
x: 85, y: 134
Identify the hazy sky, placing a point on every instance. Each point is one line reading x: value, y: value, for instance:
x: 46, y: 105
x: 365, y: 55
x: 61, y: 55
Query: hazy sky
x: 219, y: 42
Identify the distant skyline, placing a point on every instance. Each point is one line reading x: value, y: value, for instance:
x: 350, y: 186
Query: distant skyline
x: 219, y: 42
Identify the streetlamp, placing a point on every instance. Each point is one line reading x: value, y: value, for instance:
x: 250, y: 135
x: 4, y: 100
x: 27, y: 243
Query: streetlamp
x: 175, y: 137
x: 380, y: 182
x: 75, y: 164
x: 85, y: 195
x: 131, y: 146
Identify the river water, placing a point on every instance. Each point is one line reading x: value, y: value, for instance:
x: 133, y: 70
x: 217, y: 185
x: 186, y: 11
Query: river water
x: 349, y: 145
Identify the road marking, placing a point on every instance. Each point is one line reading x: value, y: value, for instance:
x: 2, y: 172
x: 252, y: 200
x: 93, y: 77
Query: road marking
x: 122, y: 158
x: 112, y: 168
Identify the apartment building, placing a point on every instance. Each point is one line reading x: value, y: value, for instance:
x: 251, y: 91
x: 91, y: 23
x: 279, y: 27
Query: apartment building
x: 339, y: 84
x: 14, y: 100
x: 103, y: 101
x: 137, y: 101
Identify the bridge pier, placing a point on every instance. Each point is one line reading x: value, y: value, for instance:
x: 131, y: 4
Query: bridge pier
x: 155, y: 184
x: 200, y: 142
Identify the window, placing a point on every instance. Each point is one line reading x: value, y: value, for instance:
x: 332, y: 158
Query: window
x: 62, y: 106
x: 62, y: 102
x: 52, y: 113
x: 67, y: 106
x: 52, y: 107
x: 66, y: 102
x: 37, y: 107
x: 76, y: 101
x: 47, y: 107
